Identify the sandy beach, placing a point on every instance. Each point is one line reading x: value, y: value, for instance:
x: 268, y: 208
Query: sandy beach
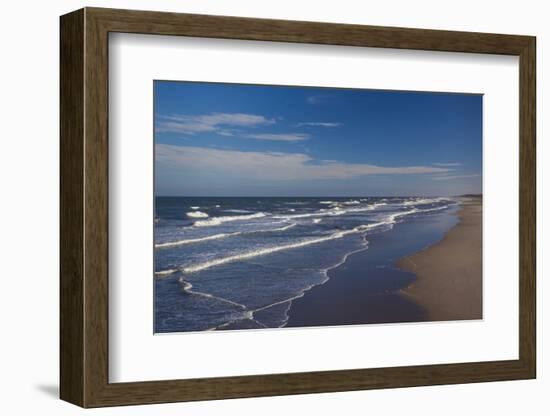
x: 449, y: 273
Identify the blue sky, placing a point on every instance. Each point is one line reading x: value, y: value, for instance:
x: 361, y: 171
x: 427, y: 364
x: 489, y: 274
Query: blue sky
x: 217, y: 139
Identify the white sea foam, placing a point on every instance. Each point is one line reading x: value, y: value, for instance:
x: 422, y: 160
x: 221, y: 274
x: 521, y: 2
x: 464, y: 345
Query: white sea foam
x: 336, y: 210
x: 219, y: 236
x: 434, y: 209
x: 256, y: 253
x: 238, y: 211
x: 195, y: 240
x: 354, y: 202
x: 166, y: 272
x: 327, y: 202
x: 197, y: 214
x: 220, y: 220
x: 321, y: 213
x: 317, y: 220
x: 364, y: 209
x: 420, y: 201
x: 188, y: 288
x: 389, y: 220
x: 246, y: 315
x: 393, y: 217
x: 275, y: 249
x: 194, y: 207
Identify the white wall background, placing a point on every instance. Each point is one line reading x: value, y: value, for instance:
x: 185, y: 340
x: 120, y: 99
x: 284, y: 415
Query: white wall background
x: 29, y: 210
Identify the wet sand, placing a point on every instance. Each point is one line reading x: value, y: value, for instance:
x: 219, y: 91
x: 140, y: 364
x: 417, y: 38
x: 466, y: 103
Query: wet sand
x: 449, y: 273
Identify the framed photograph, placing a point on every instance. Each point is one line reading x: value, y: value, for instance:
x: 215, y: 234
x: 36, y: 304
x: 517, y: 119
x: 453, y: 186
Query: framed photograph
x: 255, y: 207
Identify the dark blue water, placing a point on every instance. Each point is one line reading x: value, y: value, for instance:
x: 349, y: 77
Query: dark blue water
x: 236, y: 263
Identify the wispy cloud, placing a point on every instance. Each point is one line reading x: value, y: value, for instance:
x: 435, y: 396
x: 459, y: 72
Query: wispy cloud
x: 316, y: 99
x: 214, y: 122
x: 272, y: 165
x: 449, y: 178
x: 447, y: 164
x: 283, y: 137
x: 318, y: 124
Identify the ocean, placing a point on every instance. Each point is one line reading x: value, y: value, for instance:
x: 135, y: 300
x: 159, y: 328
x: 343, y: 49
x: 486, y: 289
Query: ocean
x: 240, y: 263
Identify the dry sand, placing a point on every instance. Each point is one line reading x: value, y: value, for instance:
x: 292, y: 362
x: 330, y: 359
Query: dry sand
x: 449, y: 273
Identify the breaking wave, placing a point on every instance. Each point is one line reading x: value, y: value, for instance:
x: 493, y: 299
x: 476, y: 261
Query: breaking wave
x: 219, y: 236
x: 390, y: 220
x: 197, y: 214
x: 220, y: 220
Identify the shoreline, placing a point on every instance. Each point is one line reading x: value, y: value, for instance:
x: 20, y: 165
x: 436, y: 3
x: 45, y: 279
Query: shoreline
x: 428, y: 269
x: 449, y: 272
x: 366, y: 287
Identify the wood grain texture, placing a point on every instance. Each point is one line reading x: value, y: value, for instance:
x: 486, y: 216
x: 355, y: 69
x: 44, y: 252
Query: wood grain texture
x: 71, y: 100
x: 84, y: 207
x: 527, y: 207
x: 162, y: 23
x: 96, y: 208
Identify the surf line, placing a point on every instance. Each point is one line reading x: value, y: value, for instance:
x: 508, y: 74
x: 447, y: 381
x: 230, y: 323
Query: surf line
x: 223, y: 235
x: 391, y: 220
x: 187, y: 288
x: 269, y: 250
x: 250, y: 314
x: 307, y: 289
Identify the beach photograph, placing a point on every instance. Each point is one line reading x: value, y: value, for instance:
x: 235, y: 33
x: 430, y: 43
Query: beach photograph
x: 298, y: 206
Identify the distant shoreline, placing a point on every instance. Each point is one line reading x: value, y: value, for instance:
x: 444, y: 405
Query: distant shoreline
x: 449, y: 273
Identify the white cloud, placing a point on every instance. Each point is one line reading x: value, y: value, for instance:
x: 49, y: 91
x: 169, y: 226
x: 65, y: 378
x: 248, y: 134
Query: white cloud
x: 213, y: 122
x: 318, y: 124
x: 183, y: 127
x: 447, y: 164
x: 271, y: 165
x: 284, y: 137
x: 448, y: 178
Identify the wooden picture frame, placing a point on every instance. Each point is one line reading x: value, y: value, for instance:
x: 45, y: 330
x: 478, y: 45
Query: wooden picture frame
x: 84, y: 207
